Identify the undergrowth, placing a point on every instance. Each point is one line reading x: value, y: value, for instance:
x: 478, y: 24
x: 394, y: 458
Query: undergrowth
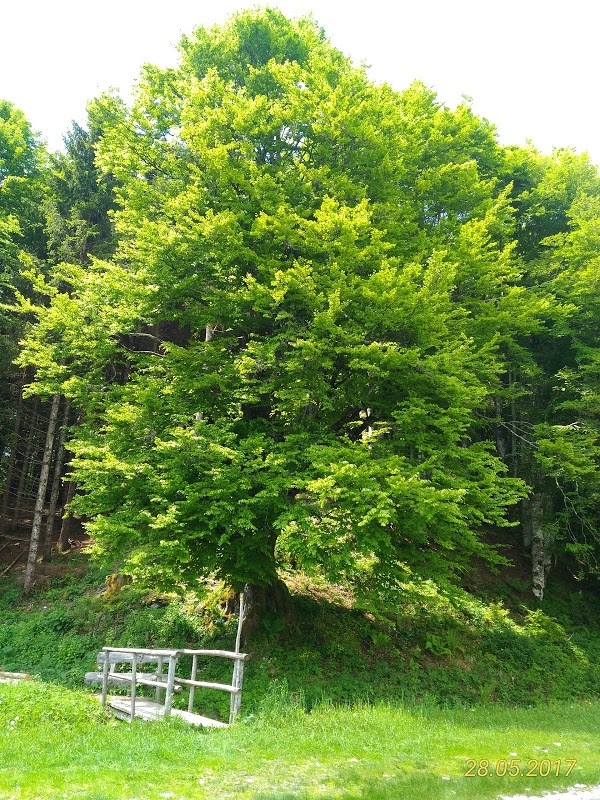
x: 419, y: 641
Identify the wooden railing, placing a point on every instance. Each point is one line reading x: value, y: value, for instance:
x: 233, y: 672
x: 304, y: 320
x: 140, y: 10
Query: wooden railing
x: 170, y: 683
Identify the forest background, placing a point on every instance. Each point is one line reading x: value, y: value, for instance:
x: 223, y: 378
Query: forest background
x: 275, y: 323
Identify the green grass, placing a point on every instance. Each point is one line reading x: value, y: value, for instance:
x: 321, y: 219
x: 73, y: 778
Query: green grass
x: 57, y: 745
x: 375, y: 703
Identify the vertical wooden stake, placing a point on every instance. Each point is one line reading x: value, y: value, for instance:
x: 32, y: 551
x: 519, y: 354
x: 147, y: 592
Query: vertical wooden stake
x: 105, y: 668
x: 236, y: 699
x: 159, y: 672
x: 238, y: 638
x: 193, y: 678
x: 238, y: 667
x: 133, y: 684
x: 170, y: 685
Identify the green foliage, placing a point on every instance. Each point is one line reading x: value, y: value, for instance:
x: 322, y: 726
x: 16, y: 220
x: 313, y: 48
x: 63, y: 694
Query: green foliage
x: 422, y: 641
x: 327, y: 325
x: 280, y: 364
x: 80, y: 199
x: 22, y: 190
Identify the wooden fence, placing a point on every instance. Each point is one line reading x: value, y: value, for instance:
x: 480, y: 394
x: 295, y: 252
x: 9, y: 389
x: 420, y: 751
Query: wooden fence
x: 133, y: 658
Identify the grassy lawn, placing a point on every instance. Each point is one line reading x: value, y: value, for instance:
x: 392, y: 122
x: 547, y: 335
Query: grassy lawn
x: 56, y: 745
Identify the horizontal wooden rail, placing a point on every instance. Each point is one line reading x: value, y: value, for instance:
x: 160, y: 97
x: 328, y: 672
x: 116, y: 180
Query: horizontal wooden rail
x: 143, y: 651
x: 224, y: 687
x: 122, y: 658
x: 219, y: 653
x: 126, y: 679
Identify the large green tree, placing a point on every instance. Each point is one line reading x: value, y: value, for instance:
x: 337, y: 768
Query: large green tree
x: 293, y: 354
x: 80, y: 199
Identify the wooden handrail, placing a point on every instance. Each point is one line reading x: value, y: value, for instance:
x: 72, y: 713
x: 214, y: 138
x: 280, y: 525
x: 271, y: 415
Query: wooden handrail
x: 219, y: 653
x: 224, y: 687
x: 143, y: 651
x: 136, y: 656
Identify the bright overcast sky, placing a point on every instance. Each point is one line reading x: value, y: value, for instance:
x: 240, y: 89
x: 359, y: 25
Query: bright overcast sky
x: 530, y: 66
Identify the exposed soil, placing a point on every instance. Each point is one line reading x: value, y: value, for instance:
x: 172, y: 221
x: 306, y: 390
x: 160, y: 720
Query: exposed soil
x: 14, y: 546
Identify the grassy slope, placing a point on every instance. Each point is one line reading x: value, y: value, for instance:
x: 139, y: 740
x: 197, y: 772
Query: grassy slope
x: 443, y: 649
x: 448, y: 645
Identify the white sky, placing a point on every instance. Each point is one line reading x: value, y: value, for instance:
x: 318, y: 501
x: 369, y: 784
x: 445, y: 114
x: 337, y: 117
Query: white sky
x: 531, y: 66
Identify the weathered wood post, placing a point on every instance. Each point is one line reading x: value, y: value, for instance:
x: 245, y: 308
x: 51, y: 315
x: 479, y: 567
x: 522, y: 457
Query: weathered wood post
x: 193, y: 678
x: 133, y: 684
x: 238, y: 668
x: 159, y: 672
x: 170, y: 684
x: 105, y: 668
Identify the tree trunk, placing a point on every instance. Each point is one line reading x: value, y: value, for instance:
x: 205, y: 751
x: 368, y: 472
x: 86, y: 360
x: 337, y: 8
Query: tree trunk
x: 41, y: 494
x: 500, y: 440
x: 26, y: 459
x: 12, y: 460
x: 526, y: 522
x: 58, y: 467
x: 538, y: 546
x: 67, y: 519
x: 261, y: 600
x: 514, y: 443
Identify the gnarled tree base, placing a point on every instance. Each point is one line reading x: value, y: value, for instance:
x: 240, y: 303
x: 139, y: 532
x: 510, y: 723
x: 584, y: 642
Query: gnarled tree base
x: 262, y: 600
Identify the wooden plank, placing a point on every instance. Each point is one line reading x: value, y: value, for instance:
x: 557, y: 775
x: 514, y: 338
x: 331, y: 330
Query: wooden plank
x: 219, y: 653
x: 148, y: 710
x: 126, y: 658
x: 143, y: 651
x: 125, y: 679
x: 223, y: 687
x: 16, y: 676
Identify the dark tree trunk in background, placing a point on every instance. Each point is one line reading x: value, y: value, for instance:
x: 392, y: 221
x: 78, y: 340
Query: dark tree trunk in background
x: 260, y: 601
x: 41, y: 494
x: 10, y: 470
x: 539, y: 545
x: 58, y: 468
x: 67, y: 519
x: 29, y: 442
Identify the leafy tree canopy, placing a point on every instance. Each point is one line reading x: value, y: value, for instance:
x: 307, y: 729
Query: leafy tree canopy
x: 297, y: 353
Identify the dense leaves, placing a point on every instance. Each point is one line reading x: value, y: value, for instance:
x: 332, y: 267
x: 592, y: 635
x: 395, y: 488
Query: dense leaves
x: 334, y: 326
